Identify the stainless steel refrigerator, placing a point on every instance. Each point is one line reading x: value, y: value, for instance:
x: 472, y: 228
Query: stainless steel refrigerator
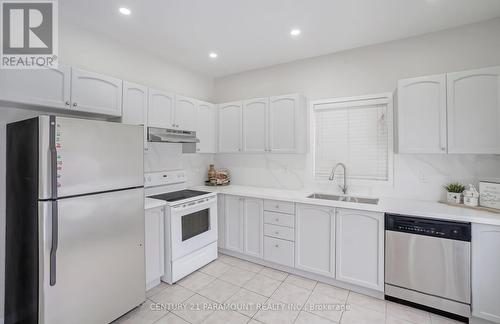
x: 74, y: 221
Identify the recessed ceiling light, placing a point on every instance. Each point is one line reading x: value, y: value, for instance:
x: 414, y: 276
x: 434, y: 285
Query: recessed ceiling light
x: 213, y: 55
x: 125, y: 11
x: 295, y: 32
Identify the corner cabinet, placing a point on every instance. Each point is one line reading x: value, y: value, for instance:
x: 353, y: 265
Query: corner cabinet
x: 485, y: 278
x: 95, y: 93
x: 360, y: 248
x: 233, y: 223
x: 40, y: 87
x: 288, y: 124
x: 230, y: 127
x: 255, y: 130
x: 421, y: 115
x: 474, y: 111
x: 275, y: 125
x: 315, y: 239
x: 206, y: 127
x: 253, y: 223
x: 243, y: 225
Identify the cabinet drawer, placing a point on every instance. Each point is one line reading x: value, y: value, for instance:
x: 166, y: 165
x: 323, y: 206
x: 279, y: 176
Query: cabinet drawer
x: 279, y: 206
x: 279, y: 219
x: 281, y: 232
x: 279, y: 251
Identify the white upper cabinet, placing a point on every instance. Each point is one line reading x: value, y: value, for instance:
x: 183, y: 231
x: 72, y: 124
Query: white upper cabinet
x: 485, y: 279
x: 230, y: 127
x: 421, y: 113
x: 206, y: 126
x: 253, y: 222
x: 276, y: 125
x: 95, y: 93
x: 185, y: 113
x: 135, y: 104
x: 360, y: 248
x: 161, y: 109
x: 255, y: 128
x: 314, y: 239
x: 287, y: 124
x: 474, y: 111
x: 40, y: 87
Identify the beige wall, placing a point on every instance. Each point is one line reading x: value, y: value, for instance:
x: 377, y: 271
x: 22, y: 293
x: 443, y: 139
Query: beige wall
x: 371, y: 69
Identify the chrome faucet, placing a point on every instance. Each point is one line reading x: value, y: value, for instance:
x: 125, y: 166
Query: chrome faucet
x: 332, y: 177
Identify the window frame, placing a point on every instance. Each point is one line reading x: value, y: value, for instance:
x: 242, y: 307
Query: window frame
x: 342, y: 102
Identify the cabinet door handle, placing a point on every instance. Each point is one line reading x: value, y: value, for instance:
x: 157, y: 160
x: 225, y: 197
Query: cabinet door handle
x: 277, y: 245
x: 277, y: 206
x: 277, y: 233
x: 75, y: 104
x: 67, y: 103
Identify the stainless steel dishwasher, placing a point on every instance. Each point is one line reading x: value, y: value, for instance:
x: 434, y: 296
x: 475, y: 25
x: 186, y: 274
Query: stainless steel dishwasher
x: 427, y: 262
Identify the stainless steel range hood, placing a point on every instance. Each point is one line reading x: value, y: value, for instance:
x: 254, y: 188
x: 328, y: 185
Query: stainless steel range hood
x: 188, y: 139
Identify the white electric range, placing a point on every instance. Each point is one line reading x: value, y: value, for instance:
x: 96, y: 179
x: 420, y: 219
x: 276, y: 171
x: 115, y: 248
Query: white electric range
x: 190, y: 223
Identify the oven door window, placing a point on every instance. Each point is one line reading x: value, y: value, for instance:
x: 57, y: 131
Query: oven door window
x: 195, y: 223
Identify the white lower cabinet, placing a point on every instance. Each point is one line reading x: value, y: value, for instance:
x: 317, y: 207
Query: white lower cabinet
x: 221, y: 221
x: 485, y: 272
x: 315, y: 239
x: 233, y: 223
x: 279, y: 251
x: 253, y: 219
x: 342, y: 244
x: 154, y: 246
x: 243, y: 225
x: 359, y: 251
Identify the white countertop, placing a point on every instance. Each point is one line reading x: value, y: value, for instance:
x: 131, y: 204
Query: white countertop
x: 150, y: 203
x: 386, y: 205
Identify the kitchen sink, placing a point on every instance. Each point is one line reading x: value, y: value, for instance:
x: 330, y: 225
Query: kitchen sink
x: 359, y: 200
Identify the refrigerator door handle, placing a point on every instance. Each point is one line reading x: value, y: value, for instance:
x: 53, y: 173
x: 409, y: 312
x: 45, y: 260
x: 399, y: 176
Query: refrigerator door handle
x: 53, y: 157
x: 55, y: 241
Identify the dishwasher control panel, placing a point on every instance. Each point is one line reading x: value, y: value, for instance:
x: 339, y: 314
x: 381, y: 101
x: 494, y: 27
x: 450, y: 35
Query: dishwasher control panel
x: 428, y: 227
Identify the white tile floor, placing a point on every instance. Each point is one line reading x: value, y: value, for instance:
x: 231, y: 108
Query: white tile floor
x: 287, y: 298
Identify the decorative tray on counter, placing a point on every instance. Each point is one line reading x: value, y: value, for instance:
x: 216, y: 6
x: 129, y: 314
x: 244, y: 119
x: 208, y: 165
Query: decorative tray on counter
x: 491, y: 210
x: 211, y: 184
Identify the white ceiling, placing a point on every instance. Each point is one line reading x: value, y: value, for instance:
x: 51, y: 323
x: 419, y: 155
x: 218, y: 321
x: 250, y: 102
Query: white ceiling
x: 250, y: 34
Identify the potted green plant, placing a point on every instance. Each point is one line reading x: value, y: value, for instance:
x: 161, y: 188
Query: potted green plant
x: 454, y: 192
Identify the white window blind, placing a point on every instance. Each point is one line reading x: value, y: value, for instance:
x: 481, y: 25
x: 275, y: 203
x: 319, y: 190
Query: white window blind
x: 354, y: 133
